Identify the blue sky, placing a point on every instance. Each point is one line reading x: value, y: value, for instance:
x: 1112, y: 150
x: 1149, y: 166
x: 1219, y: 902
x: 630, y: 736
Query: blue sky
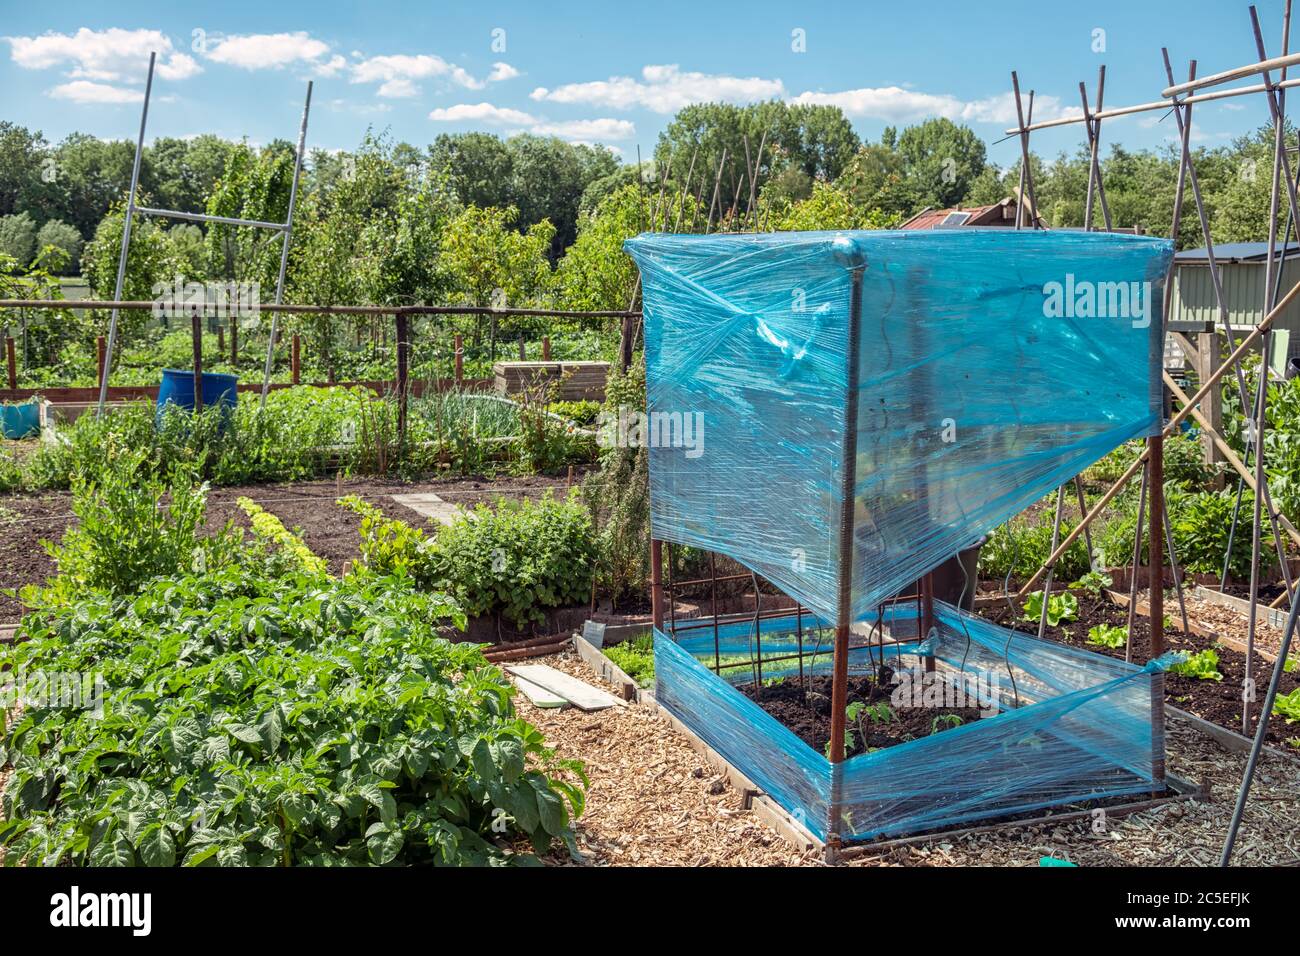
x: 606, y: 72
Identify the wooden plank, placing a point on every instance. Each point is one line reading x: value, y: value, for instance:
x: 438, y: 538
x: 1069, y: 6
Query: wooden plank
x: 579, y: 693
x: 539, y: 696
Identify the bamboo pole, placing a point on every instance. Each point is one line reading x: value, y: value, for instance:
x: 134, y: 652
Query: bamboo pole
x: 1161, y: 106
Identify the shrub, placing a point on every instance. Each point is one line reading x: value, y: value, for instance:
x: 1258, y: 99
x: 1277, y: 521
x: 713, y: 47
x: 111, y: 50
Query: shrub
x: 64, y: 238
x: 619, y: 496
x: 516, y: 560
x: 125, y: 535
x: 1021, y: 545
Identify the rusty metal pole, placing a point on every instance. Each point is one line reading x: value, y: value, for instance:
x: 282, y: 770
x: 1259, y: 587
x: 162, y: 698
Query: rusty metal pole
x: 927, y: 616
x: 196, y: 334
x: 848, y: 483
x: 295, y: 359
x: 460, y: 362
x: 101, y: 352
x: 656, y: 584
x: 12, y: 361
x: 1155, y: 545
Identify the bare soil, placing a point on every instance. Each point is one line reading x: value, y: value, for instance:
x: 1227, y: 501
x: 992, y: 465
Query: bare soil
x: 806, y: 710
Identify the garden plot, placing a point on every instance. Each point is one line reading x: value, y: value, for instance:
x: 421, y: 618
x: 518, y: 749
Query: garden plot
x: 655, y: 801
x: 1215, y: 700
x: 331, y: 532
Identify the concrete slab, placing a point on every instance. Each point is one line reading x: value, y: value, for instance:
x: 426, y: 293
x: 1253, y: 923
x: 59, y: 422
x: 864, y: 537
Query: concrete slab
x: 431, y: 506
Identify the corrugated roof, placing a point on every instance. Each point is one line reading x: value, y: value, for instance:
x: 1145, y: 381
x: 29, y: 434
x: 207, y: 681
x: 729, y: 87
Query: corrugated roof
x: 1237, y: 252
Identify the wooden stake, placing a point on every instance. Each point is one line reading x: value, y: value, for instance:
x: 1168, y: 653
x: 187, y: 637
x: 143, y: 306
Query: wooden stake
x: 11, y: 361
x: 295, y: 359
x: 196, y: 335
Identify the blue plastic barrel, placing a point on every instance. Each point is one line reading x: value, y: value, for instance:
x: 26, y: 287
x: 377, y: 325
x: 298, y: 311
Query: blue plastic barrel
x: 178, y: 389
x: 19, y: 421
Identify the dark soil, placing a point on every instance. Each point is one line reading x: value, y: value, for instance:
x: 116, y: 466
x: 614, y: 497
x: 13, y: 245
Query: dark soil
x: 1266, y: 592
x: 1216, y: 701
x: 810, y: 716
x: 330, y: 531
x: 26, y: 521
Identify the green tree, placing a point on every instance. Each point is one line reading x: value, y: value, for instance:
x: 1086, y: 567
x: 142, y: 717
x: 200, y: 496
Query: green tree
x: 18, y: 238
x: 596, y: 274
x: 941, y: 159
x: 485, y: 262
x: 64, y: 238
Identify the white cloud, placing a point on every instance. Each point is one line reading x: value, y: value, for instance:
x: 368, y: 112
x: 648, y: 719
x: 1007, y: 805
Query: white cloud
x: 588, y: 130
x: 87, y: 91
x: 398, y: 73
x: 663, y: 89
x: 896, y: 104
x: 482, y: 113
x: 331, y: 67
x: 257, y: 51
x: 578, y: 131
x: 104, y: 56
x: 502, y: 71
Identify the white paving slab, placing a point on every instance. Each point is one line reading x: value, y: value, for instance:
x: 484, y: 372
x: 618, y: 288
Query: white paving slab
x: 431, y: 506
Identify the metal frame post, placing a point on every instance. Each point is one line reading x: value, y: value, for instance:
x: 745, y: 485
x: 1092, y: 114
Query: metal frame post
x: 126, y: 239
x: 284, y: 248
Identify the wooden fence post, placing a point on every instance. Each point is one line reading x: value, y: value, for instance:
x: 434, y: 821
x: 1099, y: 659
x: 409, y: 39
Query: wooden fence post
x: 403, y: 353
x: 221, y: 340
x: 546, y: 348
x: 295, y: 360
x: 460, y: 362
x: 12, y: 362
x: 101, y: 350
x: 523, y: 350
x: 234, y: 342
x: 196, y: 333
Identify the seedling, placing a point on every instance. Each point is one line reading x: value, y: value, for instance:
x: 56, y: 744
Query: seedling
x: 1093, y: 583
x: 1108, y: 635
x: 1288, y: 706
x: 945, y: 721
x: 1203, y: 665
x: 1063, y: 607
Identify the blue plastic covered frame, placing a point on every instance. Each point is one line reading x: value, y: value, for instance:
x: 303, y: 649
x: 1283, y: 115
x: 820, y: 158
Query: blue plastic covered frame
x: 994, y: 365
x: 1065, y: 725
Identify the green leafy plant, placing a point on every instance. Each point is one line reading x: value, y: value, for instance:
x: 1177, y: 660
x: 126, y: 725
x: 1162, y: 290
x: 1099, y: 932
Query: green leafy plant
x: 636, y: 658
x: 1288, y: 706
x: 132, y: 527
x: 1203, y: 665
x: 1108, y: 635
x: 267, y: 527
x: 517, y: 559
x: 1062, y: 607
x: 946, y: 722
x: 1094, y: 582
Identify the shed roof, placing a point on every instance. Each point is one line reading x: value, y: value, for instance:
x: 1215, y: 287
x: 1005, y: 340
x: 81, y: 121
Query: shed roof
x: 1236, y: 252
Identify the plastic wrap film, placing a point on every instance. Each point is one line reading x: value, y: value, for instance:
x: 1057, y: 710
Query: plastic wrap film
x: 993, y: 366
x: 1061, y: 725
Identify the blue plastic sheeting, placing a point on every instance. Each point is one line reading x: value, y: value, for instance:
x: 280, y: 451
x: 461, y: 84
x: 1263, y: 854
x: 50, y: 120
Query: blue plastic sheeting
x: 994, y: 365
x: 1065, y: 725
